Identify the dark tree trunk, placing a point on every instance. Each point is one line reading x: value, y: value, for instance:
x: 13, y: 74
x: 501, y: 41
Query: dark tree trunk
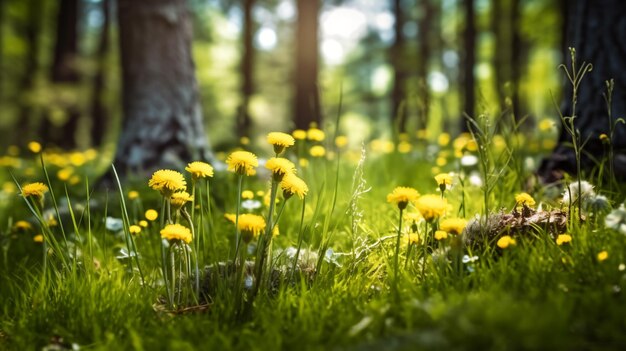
x: 516, y: 56
x: 2, y: 19
x: 597, y: 30
x: 244, y: 120
x: 469, y: 61
x: 398, y: 94
x: 501, y: 54
x: 163, y: 124
x: 307, y: 99
x: 63, y: 71
x: 99, y: 110
x: 425, y: 51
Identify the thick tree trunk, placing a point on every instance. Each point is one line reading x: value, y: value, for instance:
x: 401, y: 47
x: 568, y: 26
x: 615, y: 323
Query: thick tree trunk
x: 596, y: 29
x: 469, y: 61
x: 99, y: 111
x: 307, y: 99
x: 398, y: 94
x: 244, y: 120
x: 516, y: 56
x: 424, y: 44
x: 163, y: 124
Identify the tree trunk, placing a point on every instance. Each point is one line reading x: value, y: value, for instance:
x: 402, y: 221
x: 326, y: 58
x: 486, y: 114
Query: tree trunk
x: 424, y: 39
x: 99, y: 112
x: 63, y: 71
x: 596, y: 29
x: 163, y: 124
x: 398, y: 94
x: 516, y: 57
x: 307, y: 99
x: 244, y: 120
x: 469, y: 61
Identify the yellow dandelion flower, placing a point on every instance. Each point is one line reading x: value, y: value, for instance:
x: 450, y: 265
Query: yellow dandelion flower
x: 412, y: 216
x: 404, y: 147
x: 315, y: 134
x: 401, y: 196
x: 453, y: 225
x: 199, y: 169
x: 431, y: 206
x: 443, y: 139
x: 22, y: 226
x: 260, y: 193
x: 143, y: 223
x: 299, y: 134
x: 178, y: 200
x: 280, y: 167
x: 604, y: 138
x: 52, y: 221
x: 280, y: 141
x: 230, y: 217
x: 133, y: 194
x: 247, y: 195
x: 441, y: 161
x: 505, y: 242
x: 244, y: 140
x: 317, y: 151
x: 34, y: 147
x: 546, y: 124
x: 175, y: 232
x: 242, y: 163
x: 134, y: 229
x: 37, y: 190
x: 603, y: 255
x: 341, y: 141
x: 38, y: 238
x: 412, y: 239
x: 563, y: 239
x: 291, y: 185
x: 524, y: 199
x: 303, y: 162
x: 441, y: 235
x: 151, y: 215
x: 250, y: 226
x: 444, y: 180
x: 167, y: 181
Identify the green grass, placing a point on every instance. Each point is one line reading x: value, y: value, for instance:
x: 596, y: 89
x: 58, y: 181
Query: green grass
x: 535, y: 295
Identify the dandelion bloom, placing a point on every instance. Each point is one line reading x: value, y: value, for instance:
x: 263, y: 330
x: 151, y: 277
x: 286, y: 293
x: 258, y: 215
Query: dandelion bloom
x: 444, y: 180
x: 242, y: 163
x: 143, y: 223
x: 441, y: 235
x: 315, y: 134
x: 280, y: 141
x: 34, y: 189
x: 299, y: 134
x: 291, y: 185
x: 22, y: 226
x: 174, y: 232
x: 412, y: 238
x: 341, y: 141
x: 280, y: 167
x: 505, y: 242
x: 34, y: 147
x: 133, y: 194
x: 453, y: 225
x: 603, y: 255
x: 604, y: 138
x: 167, y: 181
x: 179, y: 199
x: 317, y: 151
x: 134, y: 229
x: 38, y: 238
x: 151, y: 215
x: 401, y: 196
x: 247, y: 195
x: 525, y: 199
x: 412, y: 216
x: 199, y: 169
x: 230, y: 217
x: 563, y: 239
x: 250, y: 226
x: 431, y: 206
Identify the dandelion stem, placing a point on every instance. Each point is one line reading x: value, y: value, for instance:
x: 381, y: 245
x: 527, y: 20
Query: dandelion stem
x: 395, y: 263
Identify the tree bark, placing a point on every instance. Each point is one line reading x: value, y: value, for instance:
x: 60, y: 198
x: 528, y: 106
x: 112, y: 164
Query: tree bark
x: 424, y: 43
x: 163, y: 124
x: 469, y: 61
x: 516, y: 57
x: 398, y: 94
x: 307, y: 107
x: 99, y: 110
x: 596, y: 29
x: 244, y: 120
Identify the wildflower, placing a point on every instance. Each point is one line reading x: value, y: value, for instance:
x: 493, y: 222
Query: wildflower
x: 280, y: 141
x: 604, y: 138
x: 134, y: 229
x: 441, y: 161
x: 151, y: 215
x: 199, y: 170
x: 317, y: 151
x: 22, y: 226
x: 443, y: 139
x: 524, y: 199
x: 251, y: 204
x: 242, y: 163
x: 250, y: 226
x: 563, y: 239
x: 230, y: 217
x: 280, y: 167
x: 412, y: 239
x: 598, y: 203
x: 453, y: 225
x: 292, y: 185
x: 616, y: 220
x: 51, y: 221
x: 404, y: 147
x: 444, y: 181
x: 468, y: 259
x: 38, y: 238
x: 546, y: 124
x: 315, y: 134
x: 244, y: 140
x: 505, y: 242
x: 603, y: 255
x: 570, y: 195
x: 299, y: 134
x: 133, y: 194
x: 341, y: 141
x: 178, y: 200
x: 34, y: 147
x: 431, y: 206
x: 469, y: 161
x: 247, y: 195
x: 143, y: 223
x: 401, y: 196
x: 303, y: 162
x: 441, y: 235
x: 175, y: 232
x: 36, y: 190
x: 167, y: 182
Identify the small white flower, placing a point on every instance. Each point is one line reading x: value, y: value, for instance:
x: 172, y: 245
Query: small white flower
x: 113, y: 224
x: 469, y: 161
x: 616, y: 220
x: 475, y: 179
x: 251, y: 204
x: 570, y: 195
x: 468, y: 259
